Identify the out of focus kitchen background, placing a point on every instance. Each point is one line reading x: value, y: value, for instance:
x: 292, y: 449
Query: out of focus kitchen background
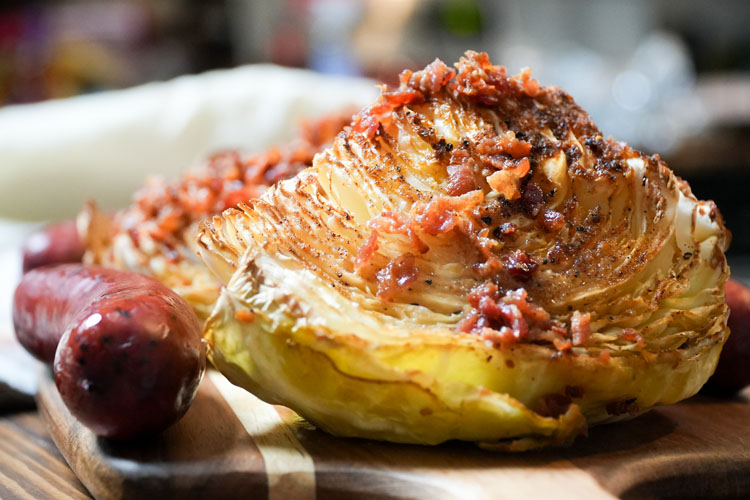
x: 669, y: 77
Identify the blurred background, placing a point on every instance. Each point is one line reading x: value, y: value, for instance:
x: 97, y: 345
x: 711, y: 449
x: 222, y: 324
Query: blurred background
x: 669, y: 77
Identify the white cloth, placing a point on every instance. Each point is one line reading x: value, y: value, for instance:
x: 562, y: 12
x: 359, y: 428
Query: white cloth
x: 55, y: 154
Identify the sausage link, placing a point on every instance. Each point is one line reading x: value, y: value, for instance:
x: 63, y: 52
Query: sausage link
x: 129, y: 354
x: 57, y: 243
x: 733, y: 370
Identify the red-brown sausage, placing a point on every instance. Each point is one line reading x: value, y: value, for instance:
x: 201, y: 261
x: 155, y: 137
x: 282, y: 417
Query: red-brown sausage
x: 57, y: 243
x: 733, y: 371
x: 130, y: 355
x: 47, y: 300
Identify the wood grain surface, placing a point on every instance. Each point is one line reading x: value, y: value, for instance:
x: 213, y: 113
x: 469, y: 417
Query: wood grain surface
x: 31, y: 467
x: 699, y: 448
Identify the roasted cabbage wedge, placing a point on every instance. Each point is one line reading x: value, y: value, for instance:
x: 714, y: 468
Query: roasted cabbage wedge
x: 156, y: 234
x: 470, y: 260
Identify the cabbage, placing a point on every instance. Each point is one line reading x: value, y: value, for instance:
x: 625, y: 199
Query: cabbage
x: 356, y: 293
x: 156, y: 234
x: 176, y: 265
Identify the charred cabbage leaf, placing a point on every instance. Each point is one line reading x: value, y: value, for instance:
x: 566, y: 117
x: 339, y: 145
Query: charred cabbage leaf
x: 470, y: 260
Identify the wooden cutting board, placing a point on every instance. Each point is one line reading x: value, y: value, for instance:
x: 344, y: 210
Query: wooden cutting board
x: 232, y: 445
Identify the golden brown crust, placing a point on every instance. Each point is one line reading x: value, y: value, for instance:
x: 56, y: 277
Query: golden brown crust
x: 558, y: 210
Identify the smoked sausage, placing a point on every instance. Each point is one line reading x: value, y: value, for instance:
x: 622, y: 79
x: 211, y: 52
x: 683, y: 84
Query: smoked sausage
x: 128, y: 354
x: 57, y: 243
x: 733, y: 370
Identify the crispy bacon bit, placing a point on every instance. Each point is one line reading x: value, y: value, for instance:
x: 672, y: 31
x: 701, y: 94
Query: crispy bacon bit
x: 389, y: 222
x: 395, y: 223
x: 481, y: 291
x: 468, y: 321
x: 515, y: 147
x: 530, y: 85
x: 534, y: 314
x: 501, y: 319
x: 366, y: 124
x: 503, y: 336
x: 169, y: 219
x: 460, y: 180
x: 429, y: 80
x: 520, y: 168
x: 366, y: 252
x: 507, y: 143
x: 461, y: 172
x: 580, y: 328
x: 509, y: 313
x: 438, y: 216
x: 479, y: 80
x: 435, y: 217
x: 397, y: 275
x: 244, y: 315
x: 532, y: 199
x: 520, y: 265
x: 552, y: 221
x: 507, y: 181
x: 401, y: 97
x: 490, y: 145
x: 368, y: 121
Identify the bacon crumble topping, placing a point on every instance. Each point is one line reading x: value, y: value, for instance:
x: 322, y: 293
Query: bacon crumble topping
x: 494, y: 161
x: 398, y: 274
x: 163, y: 211
x: 504, y: 262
